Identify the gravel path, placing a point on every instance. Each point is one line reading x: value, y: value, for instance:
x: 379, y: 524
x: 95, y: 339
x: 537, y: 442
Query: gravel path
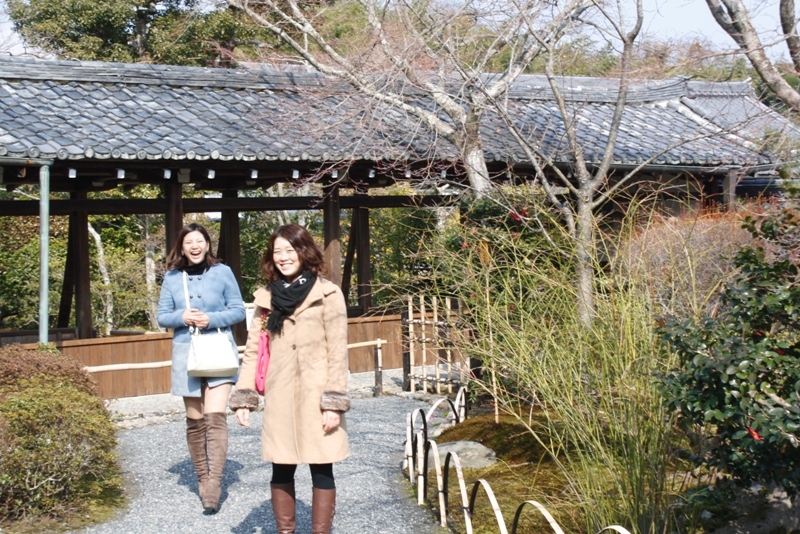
x: 162, y: 487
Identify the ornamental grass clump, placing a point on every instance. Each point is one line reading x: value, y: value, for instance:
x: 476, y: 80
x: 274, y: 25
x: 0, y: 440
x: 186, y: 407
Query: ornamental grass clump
x: 57, y: 441
x: 586, y: 392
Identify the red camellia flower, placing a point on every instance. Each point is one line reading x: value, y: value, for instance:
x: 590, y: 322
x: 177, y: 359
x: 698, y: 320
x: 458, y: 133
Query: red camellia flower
x: 754, y: 434
x: 464, y: 245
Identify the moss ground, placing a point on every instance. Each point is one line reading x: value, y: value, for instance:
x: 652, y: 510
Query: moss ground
x: 523, y: 472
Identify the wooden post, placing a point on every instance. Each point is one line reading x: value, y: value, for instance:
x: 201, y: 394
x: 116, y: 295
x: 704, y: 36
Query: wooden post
x: 83, y: 290
x: 729, y: 189
x: 435, y: 338
x: 230, y: 251
x: 423, y: 343
x: 378, y: 369
x: 411, y: 344
x: 406, y: 358
x: 448, y: 341
x: 331, y: 224
x: 173, y: 223
x: 68, y: 287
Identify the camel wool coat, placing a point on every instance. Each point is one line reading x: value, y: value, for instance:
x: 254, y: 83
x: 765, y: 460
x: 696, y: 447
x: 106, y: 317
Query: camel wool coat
x: 307, y: 374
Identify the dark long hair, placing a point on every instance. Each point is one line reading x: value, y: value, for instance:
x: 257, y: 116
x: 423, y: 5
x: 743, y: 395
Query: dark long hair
x: 308, y: 252
x: 176, y: 259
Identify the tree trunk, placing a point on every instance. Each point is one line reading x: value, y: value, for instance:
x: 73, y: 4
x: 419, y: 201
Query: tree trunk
x: 109, y: 298
x: 584, y: 267
x: 150, y: 274
x: 477, y: 172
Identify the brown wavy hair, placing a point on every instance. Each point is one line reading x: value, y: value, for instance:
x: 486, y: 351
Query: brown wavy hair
x: 176, y: 259
x: 308, y: 252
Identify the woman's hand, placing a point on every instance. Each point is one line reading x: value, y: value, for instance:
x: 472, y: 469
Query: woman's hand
x: 330, y: 420
x: 243, y: 416
x: 201, y: 320
x: 194, y: 317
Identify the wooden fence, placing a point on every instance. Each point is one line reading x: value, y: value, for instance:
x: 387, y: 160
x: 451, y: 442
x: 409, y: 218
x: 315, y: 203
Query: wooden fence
x: 126, y: 352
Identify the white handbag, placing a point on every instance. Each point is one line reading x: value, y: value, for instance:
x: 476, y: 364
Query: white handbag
x: 210, y: 355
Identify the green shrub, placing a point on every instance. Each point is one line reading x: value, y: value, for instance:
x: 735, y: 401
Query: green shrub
x: 19, y: 364
x: 57, y: 442
x: 737, y: 388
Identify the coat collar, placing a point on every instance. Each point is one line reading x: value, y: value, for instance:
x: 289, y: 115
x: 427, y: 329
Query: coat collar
x: 322, y: 288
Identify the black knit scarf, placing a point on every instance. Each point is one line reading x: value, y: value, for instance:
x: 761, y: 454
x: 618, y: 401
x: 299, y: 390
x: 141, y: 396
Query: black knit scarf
x: 287, y: 297
x: 193, y: 270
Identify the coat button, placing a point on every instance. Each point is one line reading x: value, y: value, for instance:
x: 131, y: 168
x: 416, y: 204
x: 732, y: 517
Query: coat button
x: 199, y: 296
x: 191, y: 296
x: 199, y: 277
x: 190, y: 278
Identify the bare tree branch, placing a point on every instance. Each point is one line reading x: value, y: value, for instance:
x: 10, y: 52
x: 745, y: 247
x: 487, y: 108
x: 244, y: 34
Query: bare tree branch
x: 733, y: 17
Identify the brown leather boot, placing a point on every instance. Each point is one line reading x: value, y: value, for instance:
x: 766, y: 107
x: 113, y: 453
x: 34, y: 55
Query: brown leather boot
x: 323, y: 506
x: 217, y: 436
x: 283, y: 506
x: 196, y: 438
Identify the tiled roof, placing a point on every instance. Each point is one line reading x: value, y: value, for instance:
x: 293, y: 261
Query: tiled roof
x: 89, y: 110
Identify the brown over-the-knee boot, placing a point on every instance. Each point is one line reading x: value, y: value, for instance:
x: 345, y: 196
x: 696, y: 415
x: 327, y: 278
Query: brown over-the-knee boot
x: 196, y: 439
x: 323, y: 506
x: 283, y: 506
x: 217, y: 436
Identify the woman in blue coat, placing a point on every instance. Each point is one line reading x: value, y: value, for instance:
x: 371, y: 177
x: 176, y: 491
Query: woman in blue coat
x: 214, y: 302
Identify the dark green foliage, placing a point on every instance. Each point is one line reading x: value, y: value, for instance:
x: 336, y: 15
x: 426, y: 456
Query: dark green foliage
x: 737, y: 386
x: 175, y: 32
x: 57, y: 441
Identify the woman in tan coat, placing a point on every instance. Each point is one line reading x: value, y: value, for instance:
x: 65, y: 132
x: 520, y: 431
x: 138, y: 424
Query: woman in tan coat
x: 305, y: 395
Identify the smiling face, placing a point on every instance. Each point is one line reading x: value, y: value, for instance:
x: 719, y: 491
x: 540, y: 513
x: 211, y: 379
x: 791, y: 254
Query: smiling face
x: 285, y: 258
x: 195, y: 247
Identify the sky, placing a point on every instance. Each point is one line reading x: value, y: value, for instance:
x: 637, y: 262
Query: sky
x: 665, y: 19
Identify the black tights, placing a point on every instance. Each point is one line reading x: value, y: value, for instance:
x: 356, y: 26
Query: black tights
x: 321, y: 475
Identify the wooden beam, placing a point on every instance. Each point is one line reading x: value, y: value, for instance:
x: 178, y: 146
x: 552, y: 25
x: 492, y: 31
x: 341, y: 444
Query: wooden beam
x: 332, y: 230
x: 200, y: 205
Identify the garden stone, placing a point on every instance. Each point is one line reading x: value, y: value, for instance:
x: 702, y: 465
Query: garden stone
x: 472, y: 454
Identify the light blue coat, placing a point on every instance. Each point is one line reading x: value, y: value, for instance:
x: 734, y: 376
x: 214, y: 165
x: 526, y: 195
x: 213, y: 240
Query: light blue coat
x: 215, y: 293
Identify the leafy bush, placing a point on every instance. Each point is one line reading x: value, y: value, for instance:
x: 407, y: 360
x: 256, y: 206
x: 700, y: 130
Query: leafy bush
x: 57, y: 442
x: 19, y: 364
x: 737, y: 387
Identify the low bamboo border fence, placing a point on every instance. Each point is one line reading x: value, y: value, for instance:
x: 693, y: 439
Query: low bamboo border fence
x: 417, y: 449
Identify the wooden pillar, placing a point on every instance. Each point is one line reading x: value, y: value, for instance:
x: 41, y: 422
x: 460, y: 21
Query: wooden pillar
x: 173, y: 192
x: 331, y: 224
x: 230, y: 250
x: 68, y: 287
x: 729, y: 189
x: 364, y: 264
x: 83, y: 290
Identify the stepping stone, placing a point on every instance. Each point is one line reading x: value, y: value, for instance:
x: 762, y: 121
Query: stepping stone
x: 472, y: 454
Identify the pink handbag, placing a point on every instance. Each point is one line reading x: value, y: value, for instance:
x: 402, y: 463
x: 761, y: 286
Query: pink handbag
x: 263, y: 355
